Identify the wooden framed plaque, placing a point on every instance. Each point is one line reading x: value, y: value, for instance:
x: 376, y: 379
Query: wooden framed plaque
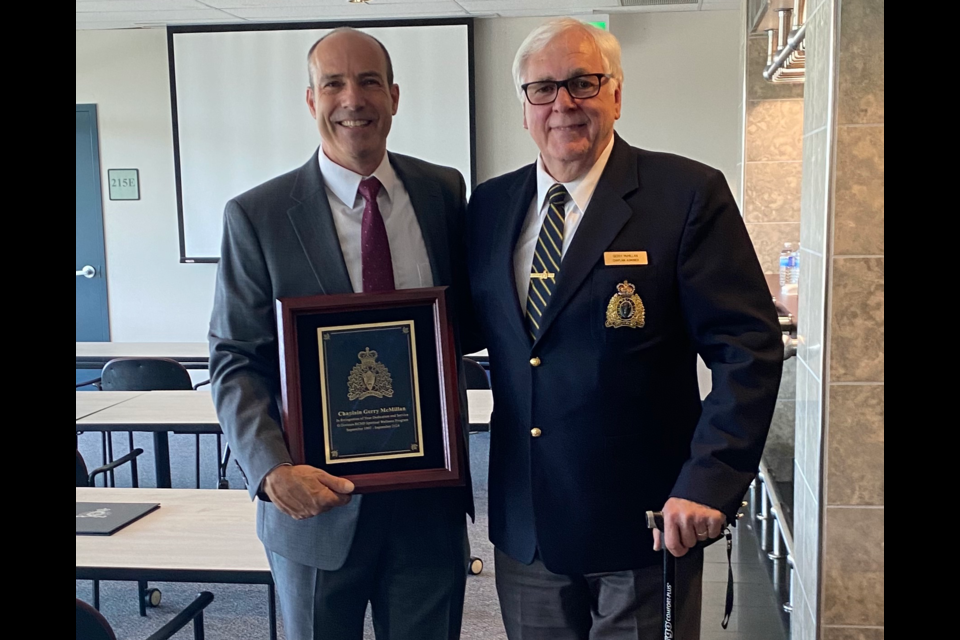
x: 369, y: 387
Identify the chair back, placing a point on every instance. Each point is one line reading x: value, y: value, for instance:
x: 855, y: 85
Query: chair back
x: 91, y: 625
x: 145, y: 374
x: 83, y: 480
x: 476, y: 375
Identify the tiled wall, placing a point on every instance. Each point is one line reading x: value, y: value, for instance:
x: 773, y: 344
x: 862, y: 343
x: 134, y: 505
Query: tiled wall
x: 770, y: 200
x: 839, y: 520
x: 773, y: 158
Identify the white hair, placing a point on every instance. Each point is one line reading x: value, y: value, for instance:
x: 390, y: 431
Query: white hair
x: 540, y: 37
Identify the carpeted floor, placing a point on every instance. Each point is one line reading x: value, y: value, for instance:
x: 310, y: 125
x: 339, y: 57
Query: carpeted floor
x: 239, y: 612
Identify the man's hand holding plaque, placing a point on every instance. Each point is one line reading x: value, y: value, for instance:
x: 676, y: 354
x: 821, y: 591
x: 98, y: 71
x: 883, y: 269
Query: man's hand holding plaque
x: 302, y: 491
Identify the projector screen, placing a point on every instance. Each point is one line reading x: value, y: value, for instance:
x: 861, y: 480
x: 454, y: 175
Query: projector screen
x: 240, y: 115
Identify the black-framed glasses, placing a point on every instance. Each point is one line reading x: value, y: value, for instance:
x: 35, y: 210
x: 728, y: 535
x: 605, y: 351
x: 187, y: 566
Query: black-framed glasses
x: 579, y: 87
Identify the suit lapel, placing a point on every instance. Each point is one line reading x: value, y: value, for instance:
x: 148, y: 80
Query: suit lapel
x: 602, y: 221
x: 313, y: 223
x: 507, y: 233
x: 428, y: 207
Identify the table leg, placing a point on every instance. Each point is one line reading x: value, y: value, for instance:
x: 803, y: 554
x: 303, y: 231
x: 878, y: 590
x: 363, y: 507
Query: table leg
x: 272, y: 609
x: 141, y: 596
x: 161, y: 456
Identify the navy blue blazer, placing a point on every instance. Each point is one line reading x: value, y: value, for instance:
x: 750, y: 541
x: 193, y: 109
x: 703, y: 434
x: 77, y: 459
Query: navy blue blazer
x: 619, y: 411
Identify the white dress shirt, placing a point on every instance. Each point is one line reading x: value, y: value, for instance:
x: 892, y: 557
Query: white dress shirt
x: 408, y: 253
x: 581, y: 192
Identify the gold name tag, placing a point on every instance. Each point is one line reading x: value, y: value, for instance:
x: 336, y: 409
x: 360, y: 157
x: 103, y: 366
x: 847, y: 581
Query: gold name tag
x: 624, y: 257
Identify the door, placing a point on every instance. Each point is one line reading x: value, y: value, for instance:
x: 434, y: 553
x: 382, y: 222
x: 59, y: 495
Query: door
x: 92, y: 320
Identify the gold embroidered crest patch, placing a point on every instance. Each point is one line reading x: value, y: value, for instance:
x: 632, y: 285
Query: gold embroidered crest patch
x: 625, y: 308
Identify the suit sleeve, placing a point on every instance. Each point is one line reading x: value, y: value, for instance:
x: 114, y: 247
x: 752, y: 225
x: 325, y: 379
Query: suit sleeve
x: 471, y: 339
x: 244, y: 368
x: 732, y: 320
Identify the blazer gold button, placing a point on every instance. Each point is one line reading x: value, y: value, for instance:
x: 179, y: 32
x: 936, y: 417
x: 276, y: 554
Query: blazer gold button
x: 535, y: 362
x: 535, y: 432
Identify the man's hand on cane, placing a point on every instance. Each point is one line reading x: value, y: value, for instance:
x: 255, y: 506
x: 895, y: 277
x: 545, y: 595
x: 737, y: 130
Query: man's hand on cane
x: 686, y: 523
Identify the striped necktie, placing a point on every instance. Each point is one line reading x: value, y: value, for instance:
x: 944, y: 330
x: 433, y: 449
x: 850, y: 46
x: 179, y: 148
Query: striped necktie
x: 546, y: 259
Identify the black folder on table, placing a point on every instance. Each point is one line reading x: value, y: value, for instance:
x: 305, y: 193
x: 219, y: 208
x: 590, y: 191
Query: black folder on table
x: 106, y: 518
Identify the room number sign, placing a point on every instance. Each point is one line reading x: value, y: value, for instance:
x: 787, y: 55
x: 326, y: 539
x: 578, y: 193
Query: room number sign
x: 124, y: 184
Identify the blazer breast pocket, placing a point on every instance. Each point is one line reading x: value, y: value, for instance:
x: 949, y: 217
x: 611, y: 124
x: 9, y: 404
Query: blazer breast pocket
x: 625, y: 301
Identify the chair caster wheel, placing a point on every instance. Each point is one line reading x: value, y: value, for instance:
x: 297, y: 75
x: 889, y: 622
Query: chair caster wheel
x: 223, y: 483
x: 152, y: 597
x: 475, y: 566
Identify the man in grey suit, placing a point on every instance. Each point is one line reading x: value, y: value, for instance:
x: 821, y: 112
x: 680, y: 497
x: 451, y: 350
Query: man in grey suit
x: 354, y: 218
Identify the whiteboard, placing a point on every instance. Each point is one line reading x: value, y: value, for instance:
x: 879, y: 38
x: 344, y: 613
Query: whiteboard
x: 240, y: 114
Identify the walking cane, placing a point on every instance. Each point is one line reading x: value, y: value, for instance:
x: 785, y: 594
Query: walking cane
x: 670, y: 596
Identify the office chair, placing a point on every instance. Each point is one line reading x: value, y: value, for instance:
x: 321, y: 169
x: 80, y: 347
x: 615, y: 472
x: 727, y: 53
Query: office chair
x: 476, y: 375
x: 88, y: 479
x: 152, y: 374
x: 148, y: 597
x: 91, y: 625
x: 476, y: 378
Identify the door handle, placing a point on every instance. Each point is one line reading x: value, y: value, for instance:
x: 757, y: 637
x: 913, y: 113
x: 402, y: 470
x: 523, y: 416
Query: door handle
x: 86, y: 272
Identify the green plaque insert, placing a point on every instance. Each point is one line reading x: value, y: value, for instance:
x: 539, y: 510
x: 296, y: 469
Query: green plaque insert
x: 124, y: 184
x: 370, y: 392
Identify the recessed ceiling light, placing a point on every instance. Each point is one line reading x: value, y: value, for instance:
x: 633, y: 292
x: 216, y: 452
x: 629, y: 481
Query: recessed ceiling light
x: 358, y: 1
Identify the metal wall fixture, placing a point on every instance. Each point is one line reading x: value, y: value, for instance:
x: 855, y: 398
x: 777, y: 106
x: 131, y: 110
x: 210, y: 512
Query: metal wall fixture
x: 774, y: 531
x: 784, y: 22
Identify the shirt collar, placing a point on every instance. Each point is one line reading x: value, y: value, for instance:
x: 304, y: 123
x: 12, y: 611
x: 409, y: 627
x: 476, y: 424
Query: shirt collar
x: 345, y: 183
x: 580, y: 190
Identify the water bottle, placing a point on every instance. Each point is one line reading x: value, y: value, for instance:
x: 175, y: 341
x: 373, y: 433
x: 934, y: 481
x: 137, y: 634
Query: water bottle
x: 793, y: 274
x: 786, y: 260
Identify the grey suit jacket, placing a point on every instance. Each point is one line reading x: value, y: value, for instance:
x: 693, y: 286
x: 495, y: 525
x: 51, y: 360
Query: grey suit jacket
x: 279, y: 240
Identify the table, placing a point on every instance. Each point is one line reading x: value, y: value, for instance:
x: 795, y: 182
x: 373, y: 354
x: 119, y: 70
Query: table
x: 192, y: 355
x: 189, y: 411
x: 481, y: 357
x: 160, y: 412
x: 93, y: 355
x: 197, y: 535
x: 89, y: 403
x: 480, y: 403
x: 787, y: 303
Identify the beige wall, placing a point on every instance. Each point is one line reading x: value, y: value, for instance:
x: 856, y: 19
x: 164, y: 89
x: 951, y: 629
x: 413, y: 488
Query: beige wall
x: 152, y: 297
x: 773, y: 154
x: 680, y: 95
x: 839, y: 582
x: 772, y: 142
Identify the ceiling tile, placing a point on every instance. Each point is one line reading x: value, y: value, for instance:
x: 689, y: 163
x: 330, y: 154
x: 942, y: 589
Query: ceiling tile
x: 540, y: 7
x: 168, y: 17
x: 720, y: 5
x: 267, y: 4
x: 103, y: 6
x: 441, y: 9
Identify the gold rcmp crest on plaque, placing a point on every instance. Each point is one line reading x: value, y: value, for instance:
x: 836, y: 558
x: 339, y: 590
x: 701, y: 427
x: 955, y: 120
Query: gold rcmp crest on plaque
x: 369, y: 378
x: 626, y: 308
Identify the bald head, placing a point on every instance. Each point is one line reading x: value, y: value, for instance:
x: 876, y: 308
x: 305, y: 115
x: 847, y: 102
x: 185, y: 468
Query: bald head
x: 347, y: 37
x: 353, y: 98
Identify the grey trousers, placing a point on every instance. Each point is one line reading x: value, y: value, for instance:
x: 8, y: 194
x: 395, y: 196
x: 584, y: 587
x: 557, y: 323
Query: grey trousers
x: 408, y: 560
x: 623, y: 605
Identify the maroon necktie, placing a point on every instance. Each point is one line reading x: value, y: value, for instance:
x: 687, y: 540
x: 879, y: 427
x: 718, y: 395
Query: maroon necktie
x: 374, y: 246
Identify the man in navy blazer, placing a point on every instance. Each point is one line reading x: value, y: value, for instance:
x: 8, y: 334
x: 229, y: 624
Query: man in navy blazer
x: 598, y: 275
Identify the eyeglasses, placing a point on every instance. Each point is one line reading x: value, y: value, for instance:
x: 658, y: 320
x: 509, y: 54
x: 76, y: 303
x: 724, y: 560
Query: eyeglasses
x: 579, y: 87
